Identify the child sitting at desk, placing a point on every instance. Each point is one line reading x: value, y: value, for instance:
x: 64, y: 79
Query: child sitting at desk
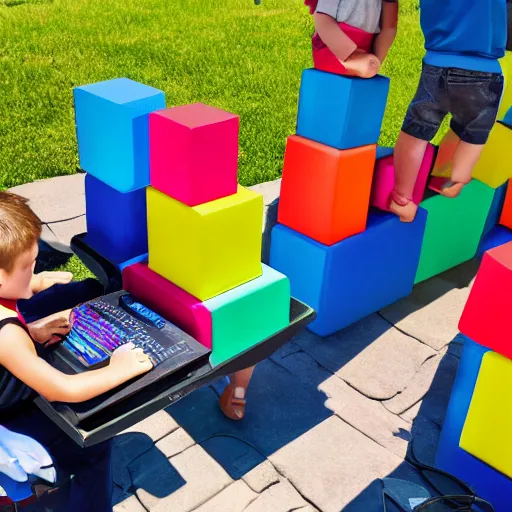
x: 24, y: 372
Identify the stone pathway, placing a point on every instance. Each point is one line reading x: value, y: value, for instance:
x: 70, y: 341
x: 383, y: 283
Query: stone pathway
x: 326, y: 418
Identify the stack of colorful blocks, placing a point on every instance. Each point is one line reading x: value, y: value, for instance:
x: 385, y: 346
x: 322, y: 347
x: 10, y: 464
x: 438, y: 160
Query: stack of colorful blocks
x: 163, y: 203
x: 475, y: 441
x: 345, y: 254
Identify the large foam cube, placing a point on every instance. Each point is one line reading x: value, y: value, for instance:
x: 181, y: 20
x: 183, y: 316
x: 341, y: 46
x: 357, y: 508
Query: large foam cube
x: 170, y: 301
x: 486, y: 317
x: 194, y: 153
x: 444, y: 157
x: 112, y: 129
x: 498, y: 235
x: 384, y: 180
x: 229, y: 323
x: 487, y: 482
x: 342, y: 112
x: 324, y: 191
x: 496, y: 209
x: 486, y: 433
x: 384, y: 151
x: 454, y: 228
x: 493, y: 167
x: 116, y: 221
x: 507, y: 119
x: 248, y: 314
x: 506, y: 212
x: 355, y: 277
x: 206, y: 249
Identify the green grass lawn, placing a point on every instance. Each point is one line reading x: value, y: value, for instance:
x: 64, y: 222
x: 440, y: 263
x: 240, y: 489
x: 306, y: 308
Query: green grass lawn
x: 228, y: 53
x: 231, y: 54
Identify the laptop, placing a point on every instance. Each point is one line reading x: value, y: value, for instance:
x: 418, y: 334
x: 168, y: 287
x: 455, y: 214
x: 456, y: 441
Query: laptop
x: 104, y: 324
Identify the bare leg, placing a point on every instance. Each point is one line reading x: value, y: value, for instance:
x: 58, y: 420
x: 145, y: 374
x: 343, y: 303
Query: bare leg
x: 232, y: 401
x: 464, y: 160
x: 409, y: 153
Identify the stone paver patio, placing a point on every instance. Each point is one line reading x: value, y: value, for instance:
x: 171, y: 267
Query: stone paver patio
x: 326, y: 418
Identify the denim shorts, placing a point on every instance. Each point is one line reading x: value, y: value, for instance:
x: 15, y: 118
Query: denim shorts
x: 471, y: 97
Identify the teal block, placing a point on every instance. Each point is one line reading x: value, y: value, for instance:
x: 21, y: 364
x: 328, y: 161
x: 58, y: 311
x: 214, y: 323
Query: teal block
x: 112, y: 128
x: 248, y: 314
x: 454, y: 229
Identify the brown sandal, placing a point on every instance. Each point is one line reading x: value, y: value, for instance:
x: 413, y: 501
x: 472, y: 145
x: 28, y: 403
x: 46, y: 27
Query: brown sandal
x: 230, y: 405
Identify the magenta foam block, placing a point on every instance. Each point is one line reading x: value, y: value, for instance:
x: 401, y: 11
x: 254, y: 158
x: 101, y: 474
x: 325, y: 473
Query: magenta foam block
x: 170, y: 301
x: 194, y: 153
x: 384, y: 180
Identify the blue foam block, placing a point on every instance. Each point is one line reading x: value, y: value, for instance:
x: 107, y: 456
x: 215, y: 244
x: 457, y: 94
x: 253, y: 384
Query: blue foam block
x: 383, y: 151
x: 496, y: 208
x: 486, y: 481
x: 113, y: 131
x: 508, y: 117
x: 498, y: 235
x: 355, y: 277
x: 116, y: 221
x: 339, y: 111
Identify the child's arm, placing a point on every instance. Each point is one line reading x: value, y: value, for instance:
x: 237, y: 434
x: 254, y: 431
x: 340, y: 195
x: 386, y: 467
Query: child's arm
x: 18, y: 356
x: 355, y: 62
x: 44, y: 280
x: 335, y: 39
x: 387, y: 34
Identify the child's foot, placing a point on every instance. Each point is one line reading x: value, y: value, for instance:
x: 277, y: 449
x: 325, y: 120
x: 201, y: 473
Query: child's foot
x: 404, y: 208
x: 232, y: 402
x: 446, y: 187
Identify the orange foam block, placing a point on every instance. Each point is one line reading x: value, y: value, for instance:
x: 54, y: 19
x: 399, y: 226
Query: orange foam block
x: 506, y: 213
x: 486, y: 318
x: 325, y: 192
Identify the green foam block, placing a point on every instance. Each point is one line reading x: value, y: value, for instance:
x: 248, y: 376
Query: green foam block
x: 246, y: 315
x: 454, y: 228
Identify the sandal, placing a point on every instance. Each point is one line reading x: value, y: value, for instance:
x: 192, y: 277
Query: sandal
x: 403, y: 207
x: 232, y: 407
x: 446, y: 187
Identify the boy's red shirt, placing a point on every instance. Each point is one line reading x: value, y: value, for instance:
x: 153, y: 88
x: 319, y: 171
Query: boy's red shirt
x: 12, y: 305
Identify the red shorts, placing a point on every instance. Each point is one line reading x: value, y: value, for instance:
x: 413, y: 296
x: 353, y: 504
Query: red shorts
x: 325, y: 60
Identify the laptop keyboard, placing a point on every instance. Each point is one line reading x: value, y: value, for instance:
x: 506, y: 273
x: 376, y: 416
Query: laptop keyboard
x: 99, y: 328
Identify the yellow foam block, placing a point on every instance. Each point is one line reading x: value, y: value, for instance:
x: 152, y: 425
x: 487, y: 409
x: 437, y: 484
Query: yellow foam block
x: 506, y: 99
x: 444, y: 158
x: 493, y: 168
x: 488, y: 425
x: 206, y: 249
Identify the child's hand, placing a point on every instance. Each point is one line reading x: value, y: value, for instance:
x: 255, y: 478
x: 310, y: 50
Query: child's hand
x: 47, y: 330
x: 129, y: 361
x: 45, y: 280
x: 363, y: 65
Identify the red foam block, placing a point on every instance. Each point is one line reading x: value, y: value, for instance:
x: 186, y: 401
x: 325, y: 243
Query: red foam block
x: 487, y: 317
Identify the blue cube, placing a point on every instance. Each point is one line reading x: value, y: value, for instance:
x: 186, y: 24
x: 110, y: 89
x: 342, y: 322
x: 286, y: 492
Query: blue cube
x: 355, y: 277
x: 339, y: 111
x: 494, y: 214
x: 116, y: 221
x: 113, y: 131
x: 499, y: 235
x: 383, y: 152
x: 508, y: 117
x: 486, y: 481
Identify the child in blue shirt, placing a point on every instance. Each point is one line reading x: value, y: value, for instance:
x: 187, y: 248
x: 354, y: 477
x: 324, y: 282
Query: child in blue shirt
x: 461, y: 76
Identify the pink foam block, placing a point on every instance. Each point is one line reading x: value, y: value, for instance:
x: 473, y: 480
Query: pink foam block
x: 194, y: 153
x: 170, y: 301
x: 384, y: 180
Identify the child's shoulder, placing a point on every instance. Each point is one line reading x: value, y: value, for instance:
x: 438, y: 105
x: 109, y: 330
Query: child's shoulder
x: 7, y: 313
